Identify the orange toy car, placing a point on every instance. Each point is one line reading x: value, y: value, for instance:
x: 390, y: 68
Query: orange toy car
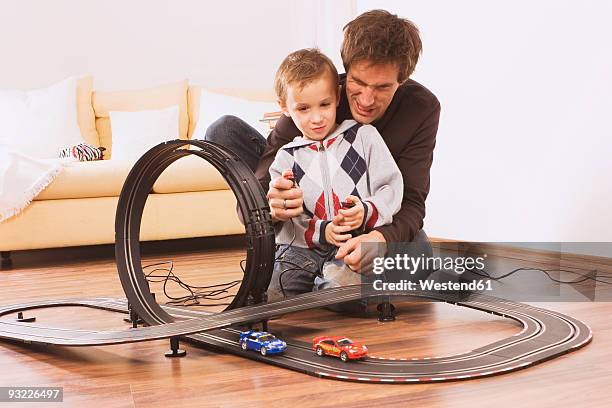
x: 337, y: 346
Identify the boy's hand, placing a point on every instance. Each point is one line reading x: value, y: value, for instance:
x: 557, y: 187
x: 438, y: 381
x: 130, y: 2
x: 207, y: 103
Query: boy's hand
x: 284, y: 198
x: 353, y: 216
x: 336, y: 234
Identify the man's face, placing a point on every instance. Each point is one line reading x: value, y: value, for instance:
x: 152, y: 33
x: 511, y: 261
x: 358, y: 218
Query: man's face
x: 313, y: 107
x: 370, y: 89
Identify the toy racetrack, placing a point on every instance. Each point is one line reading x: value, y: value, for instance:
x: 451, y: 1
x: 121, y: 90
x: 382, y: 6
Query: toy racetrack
x: 545, y: 335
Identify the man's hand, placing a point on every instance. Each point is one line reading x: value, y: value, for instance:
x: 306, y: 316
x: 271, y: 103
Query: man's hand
x: 284, y: 198
x: 353, y: 215
x: 351, y: 251
x: 337, y: 234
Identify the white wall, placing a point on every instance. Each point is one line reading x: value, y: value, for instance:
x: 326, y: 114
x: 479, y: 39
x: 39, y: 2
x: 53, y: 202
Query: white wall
x: 525, y: 140
x: 141, y: 43
x: 524, y: 149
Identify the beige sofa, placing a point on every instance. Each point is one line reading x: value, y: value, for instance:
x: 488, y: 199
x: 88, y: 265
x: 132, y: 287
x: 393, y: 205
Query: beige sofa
x: 190, y: 199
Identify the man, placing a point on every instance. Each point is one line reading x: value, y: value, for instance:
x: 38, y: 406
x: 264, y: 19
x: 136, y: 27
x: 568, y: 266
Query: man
x: 379, y: 52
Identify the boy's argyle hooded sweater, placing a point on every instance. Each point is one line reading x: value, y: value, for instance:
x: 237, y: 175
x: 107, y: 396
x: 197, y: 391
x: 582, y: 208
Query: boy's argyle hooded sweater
x: 352, y: 160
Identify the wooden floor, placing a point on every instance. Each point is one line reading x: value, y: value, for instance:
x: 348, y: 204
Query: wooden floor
x: 139, y: 374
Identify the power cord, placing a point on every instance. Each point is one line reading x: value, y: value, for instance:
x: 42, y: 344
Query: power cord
x: 216, y: 293
x: 591, y: 275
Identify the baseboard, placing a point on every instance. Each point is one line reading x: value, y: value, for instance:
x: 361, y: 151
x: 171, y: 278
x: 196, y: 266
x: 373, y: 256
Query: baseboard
x: 54, y: 256
x: 540, y: 256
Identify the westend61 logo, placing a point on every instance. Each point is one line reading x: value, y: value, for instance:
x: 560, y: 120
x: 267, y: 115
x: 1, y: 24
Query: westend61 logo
x: 412, y: 264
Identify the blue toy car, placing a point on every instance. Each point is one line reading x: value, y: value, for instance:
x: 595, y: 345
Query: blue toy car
x: 263, y: 342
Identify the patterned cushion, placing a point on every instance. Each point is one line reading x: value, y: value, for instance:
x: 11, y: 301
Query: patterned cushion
x: 83, y: 152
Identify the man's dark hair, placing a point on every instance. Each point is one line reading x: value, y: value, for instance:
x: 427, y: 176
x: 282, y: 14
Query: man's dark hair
x: 378, y: 36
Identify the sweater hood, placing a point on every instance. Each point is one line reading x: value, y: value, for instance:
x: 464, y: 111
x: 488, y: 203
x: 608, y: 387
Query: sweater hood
x: 300, y: 141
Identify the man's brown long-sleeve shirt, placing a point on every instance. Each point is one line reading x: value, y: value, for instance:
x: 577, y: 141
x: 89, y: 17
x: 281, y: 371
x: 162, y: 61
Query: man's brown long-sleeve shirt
x: 409, y: 128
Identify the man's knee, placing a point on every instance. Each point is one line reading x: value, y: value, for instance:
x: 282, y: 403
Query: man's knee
x: 238, y: 136
x: 422, y: 244
x: 418, y: 248
x: 218, y: 130
x: 419, y: 245
x: 230, y: 121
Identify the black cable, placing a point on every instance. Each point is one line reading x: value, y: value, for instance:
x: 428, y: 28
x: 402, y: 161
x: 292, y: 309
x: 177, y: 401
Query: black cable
x: 216, y: 292
x: 583, y: 277
x: 290, y: 243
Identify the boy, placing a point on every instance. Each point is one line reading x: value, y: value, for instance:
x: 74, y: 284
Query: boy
x: 331, y: 163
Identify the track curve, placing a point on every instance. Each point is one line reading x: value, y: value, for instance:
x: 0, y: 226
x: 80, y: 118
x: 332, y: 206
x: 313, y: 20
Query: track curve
x: 546, y: 334
x: 252, y: 204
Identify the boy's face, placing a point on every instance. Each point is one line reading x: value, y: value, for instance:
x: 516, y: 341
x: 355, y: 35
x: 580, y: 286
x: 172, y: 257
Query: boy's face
x: 313, y: 107
x: 370, y: 89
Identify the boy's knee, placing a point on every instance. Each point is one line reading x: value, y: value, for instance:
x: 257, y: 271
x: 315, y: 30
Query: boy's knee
x: 274, y: 294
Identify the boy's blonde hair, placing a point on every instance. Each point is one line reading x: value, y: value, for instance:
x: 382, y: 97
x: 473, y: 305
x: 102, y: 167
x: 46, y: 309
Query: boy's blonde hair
x: 301, y: 67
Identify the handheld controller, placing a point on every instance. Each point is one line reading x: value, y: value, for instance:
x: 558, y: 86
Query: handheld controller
x: 289, y: 176
x: 345, y: 206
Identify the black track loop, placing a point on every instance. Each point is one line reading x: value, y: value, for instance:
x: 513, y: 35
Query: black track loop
x: 252, y: 203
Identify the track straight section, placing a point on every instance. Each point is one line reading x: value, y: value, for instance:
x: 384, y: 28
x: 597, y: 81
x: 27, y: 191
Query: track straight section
x: 545, y: 335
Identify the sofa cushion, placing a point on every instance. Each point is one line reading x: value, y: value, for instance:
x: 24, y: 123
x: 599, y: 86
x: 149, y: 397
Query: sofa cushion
x: 40, y: 122
x: 91, y: 221
x: 134, y: 133
x: 137, y: 100
x: 105, y: 178
x: 87, y: 179
x: 249, y: 106
x: 189, y: 174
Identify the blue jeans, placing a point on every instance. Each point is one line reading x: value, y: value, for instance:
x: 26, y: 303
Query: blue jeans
x: 295, y: 270
x: 299, y: 270
x: 238, y: 136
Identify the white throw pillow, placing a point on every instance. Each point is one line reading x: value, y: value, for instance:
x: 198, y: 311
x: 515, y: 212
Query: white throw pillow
x: 134, y: 133
x: 214, y: 105
x: 41, y: 122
